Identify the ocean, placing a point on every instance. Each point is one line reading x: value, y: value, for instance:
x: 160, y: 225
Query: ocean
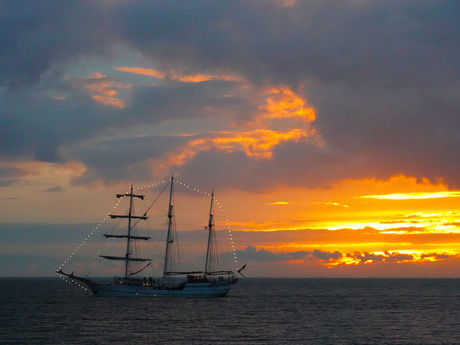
x: 257, y: 311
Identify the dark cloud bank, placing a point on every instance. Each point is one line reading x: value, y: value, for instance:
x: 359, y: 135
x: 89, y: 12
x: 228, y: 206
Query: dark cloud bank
x: 383, y: 77
x: 33, y: 257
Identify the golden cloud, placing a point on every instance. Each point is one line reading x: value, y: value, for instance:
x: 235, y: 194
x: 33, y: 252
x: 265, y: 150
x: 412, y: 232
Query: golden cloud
x: 190, y: 78
x: 413, y: 196
x: 284, y: 103
x: 104, y: 90
x: 258, y: 143
x: 149, y: 72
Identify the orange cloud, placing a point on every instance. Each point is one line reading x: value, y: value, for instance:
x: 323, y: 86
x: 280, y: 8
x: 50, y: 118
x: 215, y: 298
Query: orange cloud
x: 104, y: 90
x: 197, y: 78
x: 32, y: 170
x: 149, y: 72
x: 191, y: 78
x: 284, y: 103
x: 257, y: 143
x: 329, y: 203
x: 281, y: 104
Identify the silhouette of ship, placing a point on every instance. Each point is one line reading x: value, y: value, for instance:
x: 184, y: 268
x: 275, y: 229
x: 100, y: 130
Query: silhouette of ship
x: 206, y: 283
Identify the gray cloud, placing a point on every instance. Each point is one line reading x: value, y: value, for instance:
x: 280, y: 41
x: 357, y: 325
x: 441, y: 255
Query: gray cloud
x: 262, y: 255
x: 41, y: 38
x: 54, y: 189
x: 176, y: 100
x: 28, y: 264
x: 116, y: 159
x: 321, y: 40
x: 387, y: 257
x: 435, y: 256
x: 8, y: 174
x: 326, y: 256
x: 36, y: 234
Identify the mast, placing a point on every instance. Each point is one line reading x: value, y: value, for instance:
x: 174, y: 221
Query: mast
x: 127, y: 258
x: 128, y: 240
x: 170, y: 220
x: 210, y: 234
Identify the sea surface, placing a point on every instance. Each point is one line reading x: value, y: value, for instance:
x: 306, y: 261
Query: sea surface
x: 257, y: 311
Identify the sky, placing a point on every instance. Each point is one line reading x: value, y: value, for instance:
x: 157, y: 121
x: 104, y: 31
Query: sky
x: 329, y: 130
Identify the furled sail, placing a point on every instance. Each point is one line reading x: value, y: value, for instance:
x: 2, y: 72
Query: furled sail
x: 124, y: 258
x: 128, y: 236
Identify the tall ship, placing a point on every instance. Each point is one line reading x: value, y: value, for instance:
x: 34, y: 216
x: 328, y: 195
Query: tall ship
x: 208, y: 282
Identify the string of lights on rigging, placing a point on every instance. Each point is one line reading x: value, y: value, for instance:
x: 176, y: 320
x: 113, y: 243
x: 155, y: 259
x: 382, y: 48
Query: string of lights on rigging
x: 73, y: 281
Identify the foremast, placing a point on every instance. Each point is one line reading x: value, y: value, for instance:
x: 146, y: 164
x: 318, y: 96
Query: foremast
x: 129, y: 237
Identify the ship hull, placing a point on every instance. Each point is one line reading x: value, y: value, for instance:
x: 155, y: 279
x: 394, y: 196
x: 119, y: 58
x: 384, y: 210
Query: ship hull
x: 188, y: 290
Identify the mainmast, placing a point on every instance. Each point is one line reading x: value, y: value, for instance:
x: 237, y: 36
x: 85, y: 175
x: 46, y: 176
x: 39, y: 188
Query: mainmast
x: 210, y: 235
x: 127, y: 258
x: 169, y: 240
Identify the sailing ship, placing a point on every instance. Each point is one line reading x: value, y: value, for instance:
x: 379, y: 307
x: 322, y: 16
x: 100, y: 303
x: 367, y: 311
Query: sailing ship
x: 206, y: 283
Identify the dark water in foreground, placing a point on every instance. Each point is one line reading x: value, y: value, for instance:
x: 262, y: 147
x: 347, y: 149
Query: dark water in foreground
x: 257, y: 311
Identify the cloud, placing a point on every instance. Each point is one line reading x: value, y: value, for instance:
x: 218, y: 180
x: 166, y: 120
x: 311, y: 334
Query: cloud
x: 9, y: 174
x: 31, y: 171
x: 276, y: 203
x: 150, y: 72
x: 366, y: 257
x: 105, y: 91
x: 336, y: 258
x: 40, y: 39
x: 113, y: 160
x: 326, y: 256
x: 55, y: 189
x: 192, y: 78
x: 435, y: 256
x: 31, y: 265
x: 20, y: 243
x: 37, y: 234
x: 263, y: 255
x: 175, y: 101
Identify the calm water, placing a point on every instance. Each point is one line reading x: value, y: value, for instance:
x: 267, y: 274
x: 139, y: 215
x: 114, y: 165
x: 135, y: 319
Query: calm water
x: 257, y: 311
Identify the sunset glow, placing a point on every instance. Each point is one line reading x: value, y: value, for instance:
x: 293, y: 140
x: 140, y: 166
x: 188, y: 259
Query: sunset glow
x: 333, y: 154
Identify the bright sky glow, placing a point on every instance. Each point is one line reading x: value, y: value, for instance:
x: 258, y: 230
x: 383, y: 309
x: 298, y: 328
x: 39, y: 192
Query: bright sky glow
x: 333, y: 154
x: 408, y: 196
